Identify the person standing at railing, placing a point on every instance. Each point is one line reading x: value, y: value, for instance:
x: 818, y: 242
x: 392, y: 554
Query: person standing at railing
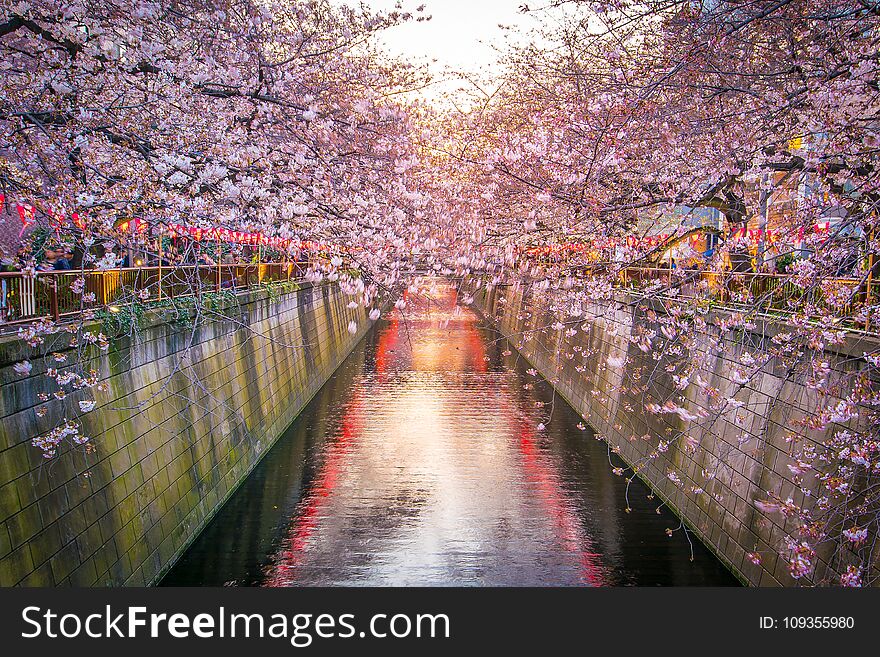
x: 227, y: 280
x: 50, y: 259
x: 61, y: 261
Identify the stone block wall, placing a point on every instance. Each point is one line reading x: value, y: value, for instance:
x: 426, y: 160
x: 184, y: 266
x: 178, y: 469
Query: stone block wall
x: 188, y: 414
x: 740, y: 456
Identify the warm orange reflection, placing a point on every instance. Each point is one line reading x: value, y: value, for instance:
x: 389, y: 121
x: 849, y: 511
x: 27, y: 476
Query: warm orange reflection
x: 417, y: 338
x: 434, y: 474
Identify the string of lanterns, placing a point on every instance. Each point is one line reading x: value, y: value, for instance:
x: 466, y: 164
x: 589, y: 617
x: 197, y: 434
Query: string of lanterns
x: 226, y: 235
x: 239, y: 237
x: 738, y: 235
x: 631, y: 241
x: 27, y: 214
x: 774, y: 234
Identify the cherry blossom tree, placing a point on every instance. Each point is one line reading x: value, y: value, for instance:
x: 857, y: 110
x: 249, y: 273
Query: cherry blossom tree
x: 278, y: 118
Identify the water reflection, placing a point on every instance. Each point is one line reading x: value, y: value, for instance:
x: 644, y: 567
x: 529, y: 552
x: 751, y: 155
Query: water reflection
x: 420, y: 463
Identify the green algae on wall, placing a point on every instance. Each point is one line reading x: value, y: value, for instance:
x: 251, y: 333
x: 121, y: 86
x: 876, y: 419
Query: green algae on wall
x: 186, y: 417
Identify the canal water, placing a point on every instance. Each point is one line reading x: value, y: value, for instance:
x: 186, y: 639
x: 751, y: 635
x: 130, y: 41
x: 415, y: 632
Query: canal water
x: 421, y: 462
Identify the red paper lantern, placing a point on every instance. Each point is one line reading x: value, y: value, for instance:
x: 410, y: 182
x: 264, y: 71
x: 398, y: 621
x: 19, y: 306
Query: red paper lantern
x: 26, y: 213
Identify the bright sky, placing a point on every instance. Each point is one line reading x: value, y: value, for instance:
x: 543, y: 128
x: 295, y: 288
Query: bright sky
x: 459, y: 35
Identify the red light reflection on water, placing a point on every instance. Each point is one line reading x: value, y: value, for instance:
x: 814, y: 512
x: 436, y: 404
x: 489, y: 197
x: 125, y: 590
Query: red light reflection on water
x: 433, y: 334
x: 306, y: 522
x: 558, y: 506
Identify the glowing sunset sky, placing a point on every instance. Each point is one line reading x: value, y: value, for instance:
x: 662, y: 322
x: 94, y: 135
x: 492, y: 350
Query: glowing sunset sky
x: 459, y: 35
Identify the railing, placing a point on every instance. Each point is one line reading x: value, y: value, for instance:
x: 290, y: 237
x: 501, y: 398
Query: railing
x: 50, y: 294
x: 766, y: 291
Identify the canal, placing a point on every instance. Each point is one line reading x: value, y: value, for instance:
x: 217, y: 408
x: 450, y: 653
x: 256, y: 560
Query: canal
x: 422, y: 462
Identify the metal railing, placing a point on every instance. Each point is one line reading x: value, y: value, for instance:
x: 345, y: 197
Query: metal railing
x: 51, y: 294
x: 842, y: 296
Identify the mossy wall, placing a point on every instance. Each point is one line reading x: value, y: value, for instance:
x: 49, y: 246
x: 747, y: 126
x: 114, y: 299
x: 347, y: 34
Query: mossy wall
x: 187, y: 414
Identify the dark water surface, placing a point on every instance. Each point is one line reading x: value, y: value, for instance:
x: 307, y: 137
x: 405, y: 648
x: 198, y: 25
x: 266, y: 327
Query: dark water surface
x: 421, y: 463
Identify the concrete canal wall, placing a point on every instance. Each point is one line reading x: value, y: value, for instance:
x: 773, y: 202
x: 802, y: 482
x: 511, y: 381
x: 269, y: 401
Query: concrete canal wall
x: 187, y: 415
x: 746, y: 458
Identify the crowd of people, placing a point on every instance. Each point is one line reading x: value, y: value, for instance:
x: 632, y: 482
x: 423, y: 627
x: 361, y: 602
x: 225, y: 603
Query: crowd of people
x: 57, y: 259
x: 52, y: 252
x: 60, y: 254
